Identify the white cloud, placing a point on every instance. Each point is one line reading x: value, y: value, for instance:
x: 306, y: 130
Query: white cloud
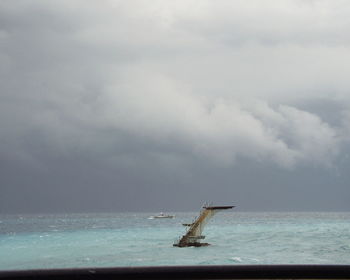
x: 215, y: 80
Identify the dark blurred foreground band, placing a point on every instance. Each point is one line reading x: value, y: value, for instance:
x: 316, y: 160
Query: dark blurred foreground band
x: 189, y: 272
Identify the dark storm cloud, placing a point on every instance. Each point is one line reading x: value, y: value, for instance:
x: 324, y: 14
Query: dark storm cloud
x: 127, y: 105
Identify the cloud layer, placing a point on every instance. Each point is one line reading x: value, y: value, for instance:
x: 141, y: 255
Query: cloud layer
x: 175, y: 81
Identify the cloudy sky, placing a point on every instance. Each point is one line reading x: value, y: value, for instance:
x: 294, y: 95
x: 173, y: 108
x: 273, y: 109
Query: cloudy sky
x: 162, y: 105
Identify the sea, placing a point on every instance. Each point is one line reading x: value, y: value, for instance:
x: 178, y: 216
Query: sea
x: 133, y: 239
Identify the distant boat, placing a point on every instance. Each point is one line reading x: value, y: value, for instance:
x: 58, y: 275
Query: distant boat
x: 162, y: 216
x: 194, y: 232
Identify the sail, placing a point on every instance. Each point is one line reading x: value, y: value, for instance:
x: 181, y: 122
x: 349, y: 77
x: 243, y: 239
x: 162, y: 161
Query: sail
x: 197, y: 227
x: 194, y: 233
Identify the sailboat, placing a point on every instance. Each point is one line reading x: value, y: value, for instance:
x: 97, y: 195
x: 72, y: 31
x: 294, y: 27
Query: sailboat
x: 195, y: 229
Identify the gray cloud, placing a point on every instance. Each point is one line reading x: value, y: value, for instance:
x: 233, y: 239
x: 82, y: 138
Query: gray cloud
x: 181, y: 85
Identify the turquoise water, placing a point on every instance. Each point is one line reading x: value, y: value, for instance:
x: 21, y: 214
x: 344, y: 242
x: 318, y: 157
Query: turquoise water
x: 131, y: 239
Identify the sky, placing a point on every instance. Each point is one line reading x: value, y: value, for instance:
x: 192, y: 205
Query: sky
x: 159, y: 105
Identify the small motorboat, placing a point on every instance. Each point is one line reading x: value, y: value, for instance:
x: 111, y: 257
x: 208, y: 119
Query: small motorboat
x: 162, y: 216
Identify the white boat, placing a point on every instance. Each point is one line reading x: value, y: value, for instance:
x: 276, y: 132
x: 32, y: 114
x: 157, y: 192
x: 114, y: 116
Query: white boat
x: 162, y: 216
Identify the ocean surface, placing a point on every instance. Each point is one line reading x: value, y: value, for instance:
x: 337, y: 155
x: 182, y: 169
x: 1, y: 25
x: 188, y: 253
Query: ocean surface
x: 132, y: 239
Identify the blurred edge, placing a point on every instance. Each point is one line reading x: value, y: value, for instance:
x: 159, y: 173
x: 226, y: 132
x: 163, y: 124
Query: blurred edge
x: 189, y: 272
